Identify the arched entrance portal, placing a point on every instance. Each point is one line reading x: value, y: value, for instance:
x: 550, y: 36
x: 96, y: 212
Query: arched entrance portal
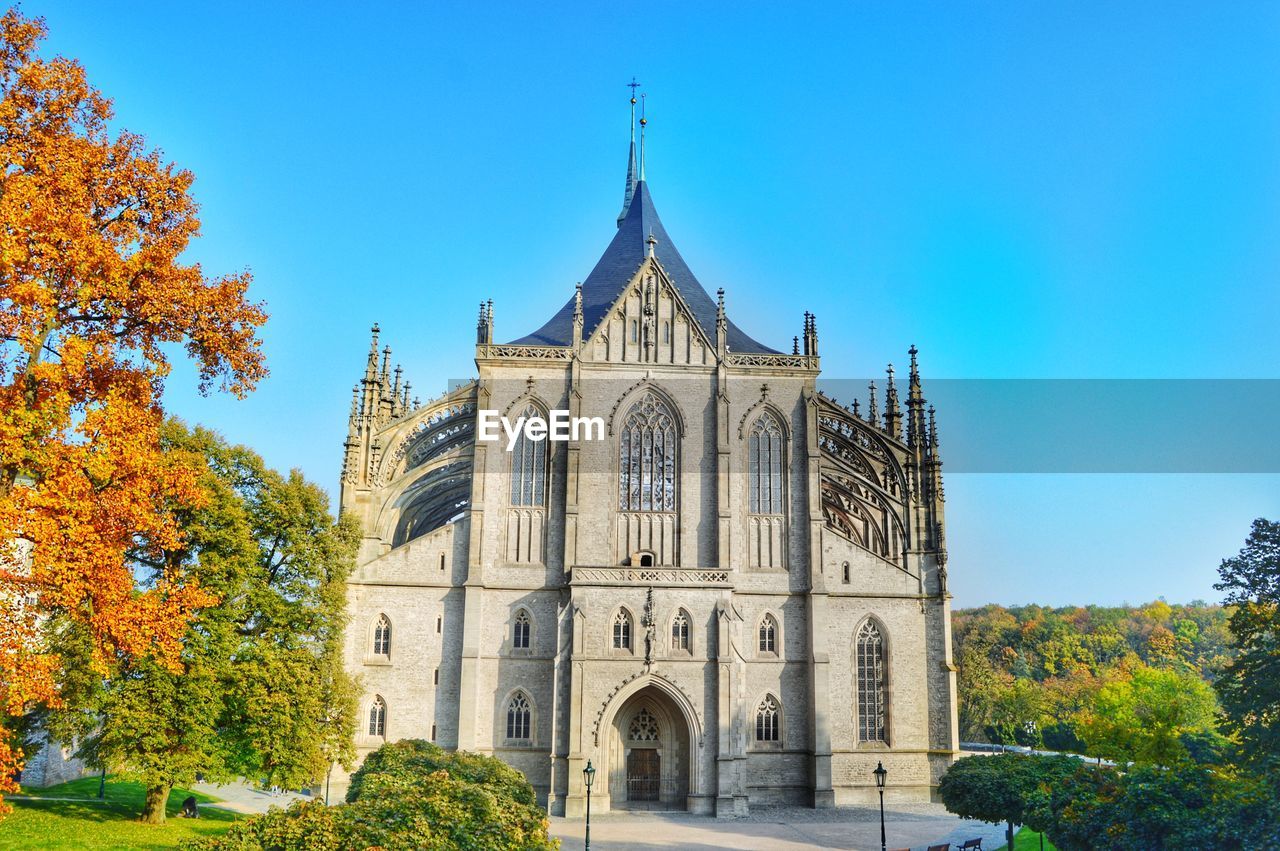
x: 649, y: 753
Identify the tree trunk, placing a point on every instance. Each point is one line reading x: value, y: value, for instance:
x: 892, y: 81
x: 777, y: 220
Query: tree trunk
x: 153, y: 808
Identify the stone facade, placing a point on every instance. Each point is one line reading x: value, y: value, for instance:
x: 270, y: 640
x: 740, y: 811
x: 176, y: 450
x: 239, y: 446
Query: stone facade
x: 737, y: 596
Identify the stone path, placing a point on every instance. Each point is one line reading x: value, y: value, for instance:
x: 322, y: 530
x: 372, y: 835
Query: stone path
x: 243, y: 798
x: 779, y: 829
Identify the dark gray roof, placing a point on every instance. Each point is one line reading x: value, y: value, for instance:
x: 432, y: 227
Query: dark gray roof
x: 614, y: 271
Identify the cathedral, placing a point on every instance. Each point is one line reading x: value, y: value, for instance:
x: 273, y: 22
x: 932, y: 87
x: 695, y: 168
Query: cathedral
x: 733, y: 591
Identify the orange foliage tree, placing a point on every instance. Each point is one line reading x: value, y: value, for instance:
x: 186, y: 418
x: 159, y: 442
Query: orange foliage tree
x: 93, y: 293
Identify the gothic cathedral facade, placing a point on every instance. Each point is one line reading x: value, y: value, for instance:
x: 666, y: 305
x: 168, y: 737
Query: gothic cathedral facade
x: 733, y: 593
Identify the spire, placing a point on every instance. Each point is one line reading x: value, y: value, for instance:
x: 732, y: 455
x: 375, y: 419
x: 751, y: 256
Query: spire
x: 630, y: 190
x: 892, y: 411
x: 372, y: 367
x: 873, y: 410
x: 916, y: 435
x: 643, y: 123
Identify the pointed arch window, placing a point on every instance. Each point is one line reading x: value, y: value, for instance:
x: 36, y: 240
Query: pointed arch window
x: 768, y: 714
x: 680, y: 632
x: 382, y: 636
x: 764, y: 465
x: 768, y: 635
x: 622, y: 630
x: 519, y: 715
x: 529, y: 467
x: 378, y: 717
x: 647, y: 457
x: 520, y: 631
x: 873, y: 694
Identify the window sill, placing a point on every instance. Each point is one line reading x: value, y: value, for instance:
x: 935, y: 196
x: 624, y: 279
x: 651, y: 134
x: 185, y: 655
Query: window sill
x: 378, y: 661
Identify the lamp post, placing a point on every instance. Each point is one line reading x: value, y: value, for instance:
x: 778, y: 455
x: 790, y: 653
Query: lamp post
x: 588, y: 775
x: 881, y: 774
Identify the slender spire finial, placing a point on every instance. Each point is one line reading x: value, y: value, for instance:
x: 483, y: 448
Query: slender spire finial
x: 630, y: 188
x: 643, y: 123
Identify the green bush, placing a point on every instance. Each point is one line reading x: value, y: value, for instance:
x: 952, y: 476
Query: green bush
x: 408, y: 795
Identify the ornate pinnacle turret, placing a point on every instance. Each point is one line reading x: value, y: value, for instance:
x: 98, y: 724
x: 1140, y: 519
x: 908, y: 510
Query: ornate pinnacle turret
x: 371, y: 367
x: 722, y: 322
x: 652, y: 242
x: 873, y: 409
x: 404, y: 399
x: 395, y: 391
x: 915, y: 406
x: 354, y: 420
x: 577, y: 303
x: 384, y: 374
x: 857, y: 411
x: 484, y: 325
x: 892, y: 411
x: 795, y: 345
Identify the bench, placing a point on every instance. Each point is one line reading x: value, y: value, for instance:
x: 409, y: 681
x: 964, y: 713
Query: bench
x: 972, y: 845
x: 946, y: 846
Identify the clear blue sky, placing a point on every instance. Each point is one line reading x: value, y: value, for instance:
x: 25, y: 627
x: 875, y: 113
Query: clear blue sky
x: 1087, y: 191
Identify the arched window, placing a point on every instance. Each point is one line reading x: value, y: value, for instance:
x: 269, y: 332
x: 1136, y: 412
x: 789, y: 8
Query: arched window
x: 873, y: 696
x: 680, y: 632
x: 378, y: 717
x: 846, y: 573
x: 518, y: 714
x: 764, y: 466
x: 622, y: 630
x: 382, y: 636
x: 666, y: 332
x: 635, y: 334
x: 520, y: 631
x: 647, y: 457
x: 529, y: 467
x: 768, y: 635
x: 767, y: 716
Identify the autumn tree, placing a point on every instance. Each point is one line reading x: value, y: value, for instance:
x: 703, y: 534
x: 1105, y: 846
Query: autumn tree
x: 93, y: 295
x: 262, y: 693
x: 1145, y: 717
x: 1250, y: 685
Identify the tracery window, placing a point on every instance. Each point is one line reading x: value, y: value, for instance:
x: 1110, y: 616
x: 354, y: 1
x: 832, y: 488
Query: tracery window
x: 378, y: 717
x: 622, y: 630
x: 764, y: 466
x: 680, y: 632
x: 647, y: 457
x: 519, y: 713
x: 382, y: 636
x: 520, y: 631
x: 768, y: 635
x: 873, y: 697
x: 529, y: 467
x: 644, y: 727
x: 767, y: 714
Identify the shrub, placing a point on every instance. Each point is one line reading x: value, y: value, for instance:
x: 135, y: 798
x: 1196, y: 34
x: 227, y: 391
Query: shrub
x: 408, y: 795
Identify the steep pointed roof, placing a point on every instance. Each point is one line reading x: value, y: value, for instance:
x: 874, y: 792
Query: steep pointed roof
x: 615, y: 270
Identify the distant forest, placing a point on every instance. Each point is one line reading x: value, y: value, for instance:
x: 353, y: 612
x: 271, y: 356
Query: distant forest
x: 1076, y: 678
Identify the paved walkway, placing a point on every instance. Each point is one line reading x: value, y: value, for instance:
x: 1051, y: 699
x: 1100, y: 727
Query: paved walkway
x: 243, y: 798
x: 779, y: 829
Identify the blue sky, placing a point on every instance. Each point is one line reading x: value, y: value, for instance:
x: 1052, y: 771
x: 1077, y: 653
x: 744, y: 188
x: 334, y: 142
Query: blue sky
x: 1023, y: 191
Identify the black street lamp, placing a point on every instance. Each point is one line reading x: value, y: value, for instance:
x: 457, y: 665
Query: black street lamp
x: 589, y: 775
x: 881, y: 774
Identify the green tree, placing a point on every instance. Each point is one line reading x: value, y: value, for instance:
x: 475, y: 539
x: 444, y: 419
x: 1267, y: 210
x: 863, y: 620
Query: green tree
x: 1000, y: 788
x: 262, y: 693
x: 1101, y: 809
x: 1143, y: 718
x: 1249, y: 686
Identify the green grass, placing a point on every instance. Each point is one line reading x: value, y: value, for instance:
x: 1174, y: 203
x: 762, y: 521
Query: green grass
x: 1027, y: 840
x: 113, y: 823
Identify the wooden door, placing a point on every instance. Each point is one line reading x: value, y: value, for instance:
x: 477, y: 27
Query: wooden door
x: 643, y: 774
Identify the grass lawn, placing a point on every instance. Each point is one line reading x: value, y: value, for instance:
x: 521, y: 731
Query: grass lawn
x: 113, y: 823
x: 1027, y: 840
